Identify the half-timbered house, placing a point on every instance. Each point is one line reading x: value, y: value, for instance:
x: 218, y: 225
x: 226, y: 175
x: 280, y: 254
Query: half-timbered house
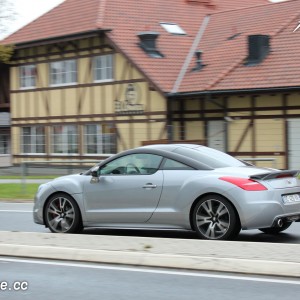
x: 91, y: 78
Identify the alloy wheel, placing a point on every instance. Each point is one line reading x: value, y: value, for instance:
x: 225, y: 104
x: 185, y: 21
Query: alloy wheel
x: 60, y: 214
x: 213, y: 219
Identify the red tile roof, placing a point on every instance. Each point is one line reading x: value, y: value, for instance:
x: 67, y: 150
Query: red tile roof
x: 76, y: 16
x: 224, y: 59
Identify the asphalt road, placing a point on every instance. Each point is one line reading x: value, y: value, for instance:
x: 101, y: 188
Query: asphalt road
x: 44, y: 279
x: 18, y: 217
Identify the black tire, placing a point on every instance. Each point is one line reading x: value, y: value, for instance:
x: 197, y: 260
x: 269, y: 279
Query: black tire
x: 214, y: 218
x: 62, y: 214
x: 276, y: 230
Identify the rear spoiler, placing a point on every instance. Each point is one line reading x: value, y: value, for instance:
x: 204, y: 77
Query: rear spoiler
x: 276, y: 174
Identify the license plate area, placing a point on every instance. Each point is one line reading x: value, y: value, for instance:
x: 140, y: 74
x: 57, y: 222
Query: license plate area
x: 291, y: 198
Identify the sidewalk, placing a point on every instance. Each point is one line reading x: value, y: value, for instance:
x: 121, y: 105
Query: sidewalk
x: 227, y: 256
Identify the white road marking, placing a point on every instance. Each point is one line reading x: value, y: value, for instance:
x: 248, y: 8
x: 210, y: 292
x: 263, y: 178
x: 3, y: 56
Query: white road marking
x: 153, y: 271
x: 17, y: 203
x: 11, y: 207
x: 15, y: 211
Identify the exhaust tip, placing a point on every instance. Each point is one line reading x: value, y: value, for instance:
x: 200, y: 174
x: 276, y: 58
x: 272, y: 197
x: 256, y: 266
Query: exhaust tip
x: 279, y: 223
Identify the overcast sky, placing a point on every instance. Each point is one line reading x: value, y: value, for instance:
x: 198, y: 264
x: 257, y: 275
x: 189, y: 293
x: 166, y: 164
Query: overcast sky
x: 28, y: 10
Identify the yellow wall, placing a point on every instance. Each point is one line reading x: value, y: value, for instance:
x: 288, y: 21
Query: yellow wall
x: 86, y: 101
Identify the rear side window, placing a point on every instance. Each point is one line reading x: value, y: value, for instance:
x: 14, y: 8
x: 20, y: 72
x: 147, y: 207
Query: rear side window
x: 171, y: 164
x: 210, y: 157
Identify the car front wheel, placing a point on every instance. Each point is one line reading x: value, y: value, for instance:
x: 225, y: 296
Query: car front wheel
x: 62, y: 214
x: 214, y: 218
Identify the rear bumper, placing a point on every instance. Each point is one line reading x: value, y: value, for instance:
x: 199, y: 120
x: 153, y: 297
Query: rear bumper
x: 262, y: 209
x: 268, y: 214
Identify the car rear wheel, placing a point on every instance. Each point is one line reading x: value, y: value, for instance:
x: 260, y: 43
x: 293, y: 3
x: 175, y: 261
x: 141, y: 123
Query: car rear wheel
x: 214, y: 218
x: 62, y: 214
x: 276, y: 230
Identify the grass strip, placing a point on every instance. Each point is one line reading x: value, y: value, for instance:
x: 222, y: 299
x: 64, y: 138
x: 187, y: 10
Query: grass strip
x: 18, y: 191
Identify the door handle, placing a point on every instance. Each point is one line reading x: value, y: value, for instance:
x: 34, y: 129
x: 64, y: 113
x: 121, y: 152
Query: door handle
x: 149, y: 186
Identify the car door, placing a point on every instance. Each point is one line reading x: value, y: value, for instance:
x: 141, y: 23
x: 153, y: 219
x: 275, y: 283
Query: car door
x: 128, y: 190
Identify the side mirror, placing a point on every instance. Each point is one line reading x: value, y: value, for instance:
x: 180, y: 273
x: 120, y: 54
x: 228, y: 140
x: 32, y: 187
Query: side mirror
x: 95, y: 177
x: 95, y: 173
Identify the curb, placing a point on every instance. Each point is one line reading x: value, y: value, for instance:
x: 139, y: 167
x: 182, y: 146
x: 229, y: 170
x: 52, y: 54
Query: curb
x: 244, y: 266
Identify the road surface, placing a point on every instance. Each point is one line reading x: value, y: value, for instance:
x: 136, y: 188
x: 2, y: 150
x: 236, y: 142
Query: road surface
x: 18, y: 217
x: 48, y: 280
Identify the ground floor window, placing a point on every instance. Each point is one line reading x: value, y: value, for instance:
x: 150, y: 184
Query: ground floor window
x: 99, y: 138
x: 87, y: 139
x: 4, y: 143
x: 64, y: 139
x: 33, y: 139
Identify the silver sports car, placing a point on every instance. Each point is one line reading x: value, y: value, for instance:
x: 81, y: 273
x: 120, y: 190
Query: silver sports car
x: 174, y: 186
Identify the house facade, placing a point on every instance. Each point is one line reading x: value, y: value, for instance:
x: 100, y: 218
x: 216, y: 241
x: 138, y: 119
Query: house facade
x: 5, y: 133
x: 80, y: 98
x: 216, y: 73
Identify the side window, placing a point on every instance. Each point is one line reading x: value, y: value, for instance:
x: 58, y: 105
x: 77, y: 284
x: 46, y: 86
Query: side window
x: 171, y: 164
x: 133, y: 164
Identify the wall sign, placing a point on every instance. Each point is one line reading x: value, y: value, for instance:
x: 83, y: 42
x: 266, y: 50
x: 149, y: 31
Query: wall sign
x: 131, y: 105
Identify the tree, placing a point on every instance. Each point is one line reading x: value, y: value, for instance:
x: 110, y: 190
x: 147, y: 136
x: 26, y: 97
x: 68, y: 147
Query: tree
x: 6, y: 52
x: 7, y: 15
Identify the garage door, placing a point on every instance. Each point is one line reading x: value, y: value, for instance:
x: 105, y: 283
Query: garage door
x: 294, y: 143
x: 216, y: 135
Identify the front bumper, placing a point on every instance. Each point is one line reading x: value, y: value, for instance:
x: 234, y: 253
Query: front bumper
x: 44, y: 191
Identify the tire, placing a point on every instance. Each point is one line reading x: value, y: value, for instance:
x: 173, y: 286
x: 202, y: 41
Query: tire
x: 62, y: 214
x: 276, y: 230
x: 214, y: 218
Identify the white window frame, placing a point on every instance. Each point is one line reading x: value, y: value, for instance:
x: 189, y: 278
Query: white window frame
x: 64, y: 136
x: 99, y: 140
x: 33, y: 136
x: 28, y: 80
x: 105, y: 65
x: 4, y: 143
x: 65, y: 72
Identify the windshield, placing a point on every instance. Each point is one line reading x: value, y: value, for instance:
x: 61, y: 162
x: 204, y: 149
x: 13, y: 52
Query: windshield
x: 210, y: 157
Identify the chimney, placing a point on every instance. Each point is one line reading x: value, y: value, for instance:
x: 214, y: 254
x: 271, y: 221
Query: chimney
x: 258, y: 48
x: 148, y: 43
x: 199, y: 64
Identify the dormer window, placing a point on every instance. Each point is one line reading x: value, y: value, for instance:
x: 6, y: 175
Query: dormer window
x: 148, y: 43
x: 258, y: 49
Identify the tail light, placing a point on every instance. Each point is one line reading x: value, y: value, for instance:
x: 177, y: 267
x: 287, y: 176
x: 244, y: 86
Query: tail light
x: 245, y: 183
